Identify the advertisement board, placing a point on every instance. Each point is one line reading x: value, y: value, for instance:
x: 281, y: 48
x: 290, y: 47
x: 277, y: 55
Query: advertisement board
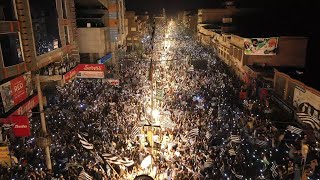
x: 21, y: 126
x: 15, y: 91
x: 306, y: 102
x: 260, y: 46
x: 69, y: 75
x: 91, y: 67
x: 5, y: 159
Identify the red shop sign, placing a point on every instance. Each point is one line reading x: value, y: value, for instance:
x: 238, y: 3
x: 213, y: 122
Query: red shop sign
x: 18, y: 89
x: 69, y: 75
x: 91, y: 67
x: 22, y: 126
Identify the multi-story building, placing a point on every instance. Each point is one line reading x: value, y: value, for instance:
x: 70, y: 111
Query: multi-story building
x: 35, y: 37
x: 133, y: 38
x: 101, y: 29
x: 190, y: 21
x: 298, y: 99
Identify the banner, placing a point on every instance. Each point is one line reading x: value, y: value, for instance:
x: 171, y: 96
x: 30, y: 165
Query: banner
x: 306, y: 102
x: 5, y: 159
x: 15, y: 91
x: 22, y: 126
x: 69, y: 75
x: 90, y: 74
x: 91, y: 67
x: 105, y: 58
x: 260, y: 46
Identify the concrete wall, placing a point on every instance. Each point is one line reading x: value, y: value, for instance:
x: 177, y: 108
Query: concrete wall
x: 215, y: 15
x: 92, y: 40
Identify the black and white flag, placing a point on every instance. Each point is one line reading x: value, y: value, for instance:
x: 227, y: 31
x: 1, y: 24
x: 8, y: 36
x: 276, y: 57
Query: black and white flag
x: 236, y: 175
x: 114, y: 159
x: 193, y: 133
x: 232, y: 152
x: 273, y: 170
x: 208, y: 163
x: 84, y: 176
x: 135, y: 131
x: 261, y: 142
x: 310, y: 120
x: 235, y: 139
x: 294, y: 130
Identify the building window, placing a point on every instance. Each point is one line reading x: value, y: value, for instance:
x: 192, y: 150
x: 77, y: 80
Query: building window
x: 133, y: 29
x: 135, y: 38
x: 44, y: 16
x: 66, y: 34
x: 11, y: 49
x: 64, y: 9
x: 7, y: 10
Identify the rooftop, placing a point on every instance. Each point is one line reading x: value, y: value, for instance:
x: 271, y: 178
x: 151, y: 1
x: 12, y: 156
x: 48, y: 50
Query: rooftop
x: 295, y: 73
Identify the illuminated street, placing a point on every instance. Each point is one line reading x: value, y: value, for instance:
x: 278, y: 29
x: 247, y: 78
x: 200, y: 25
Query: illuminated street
x: 148, y: 90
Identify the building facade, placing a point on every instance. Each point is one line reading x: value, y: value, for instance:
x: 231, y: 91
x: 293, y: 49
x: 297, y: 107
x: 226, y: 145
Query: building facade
x: 138, y: 29
x: 102, y: 32
x: 35, y: 39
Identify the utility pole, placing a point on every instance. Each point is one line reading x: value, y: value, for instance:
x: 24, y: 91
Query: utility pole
x: 45, y: 143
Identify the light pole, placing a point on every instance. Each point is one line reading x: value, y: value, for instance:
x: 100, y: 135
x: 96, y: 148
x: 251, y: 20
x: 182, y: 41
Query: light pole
x: 43, y: 140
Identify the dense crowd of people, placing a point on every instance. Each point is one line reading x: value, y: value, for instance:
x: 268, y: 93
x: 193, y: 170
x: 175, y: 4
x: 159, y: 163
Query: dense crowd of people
x: 195, y: 128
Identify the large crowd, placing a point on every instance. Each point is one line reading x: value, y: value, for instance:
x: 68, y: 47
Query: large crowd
x: 196, y: 128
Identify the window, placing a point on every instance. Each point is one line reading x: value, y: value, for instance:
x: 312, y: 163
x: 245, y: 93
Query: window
x: 45, y: 25
x: 7, y: 11
x: 64, y: 9
x: 133, y: 29
x: 135, y: 38
x: 129, y: 38
x: 66, y: 34
x: 11, y: 50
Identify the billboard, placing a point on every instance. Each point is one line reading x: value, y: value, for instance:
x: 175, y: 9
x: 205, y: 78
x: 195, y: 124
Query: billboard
x: 307, y: 102
x: 91, y: 70
x: 21, y: 125
x: 69, y: 75
x: 15, y: 91
x: 91, y: 67
x: 260, y: 46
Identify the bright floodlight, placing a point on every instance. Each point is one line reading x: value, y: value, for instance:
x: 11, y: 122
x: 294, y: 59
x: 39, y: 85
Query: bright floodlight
x: 155, y: 113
